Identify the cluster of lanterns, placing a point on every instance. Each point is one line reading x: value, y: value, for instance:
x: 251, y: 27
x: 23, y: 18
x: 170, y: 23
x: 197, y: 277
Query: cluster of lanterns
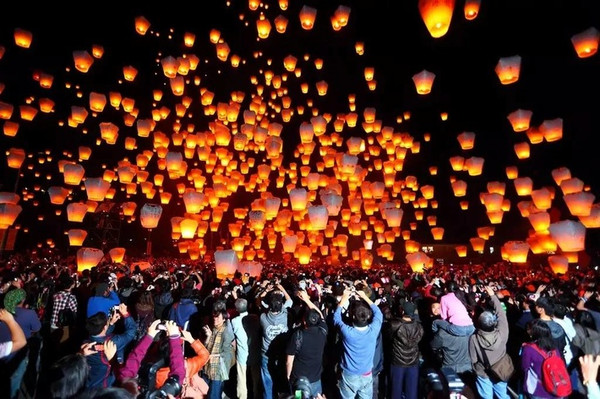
x: 328, y: 194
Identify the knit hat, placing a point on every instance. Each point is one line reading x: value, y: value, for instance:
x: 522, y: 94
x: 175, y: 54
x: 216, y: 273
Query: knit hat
x: 12, y: 298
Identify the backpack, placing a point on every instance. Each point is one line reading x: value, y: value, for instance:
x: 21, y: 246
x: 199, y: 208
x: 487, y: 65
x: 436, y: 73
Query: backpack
x: 555, y: 377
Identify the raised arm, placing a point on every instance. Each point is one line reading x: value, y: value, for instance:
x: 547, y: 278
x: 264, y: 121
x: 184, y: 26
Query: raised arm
x: 16, y: 332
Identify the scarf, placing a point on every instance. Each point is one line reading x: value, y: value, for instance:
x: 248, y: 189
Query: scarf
x: 213, y: 367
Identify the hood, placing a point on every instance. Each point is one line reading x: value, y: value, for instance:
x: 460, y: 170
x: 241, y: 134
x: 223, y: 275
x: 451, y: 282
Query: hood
x: 489, y: 340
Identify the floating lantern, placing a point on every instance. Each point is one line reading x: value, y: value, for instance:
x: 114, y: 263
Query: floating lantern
x: 423, y: 81
x: 559, y: 264
x: 523, y: 185
x: 569, y: 235
x: 516, y: 251
x: 187, y: 228
x: 461, y: 251
x: 141, y: 25
x: 418, y: 261
x: 580, y: 204
x: 22, y: 38
x: 8, y: 214
x: 226, y: 263
x: 508, y: 69
x: 307, y: 17
x: 471, y: 9
x: 552, y: 129
x: 88, y: 258
x: 437, y: 15
x: 76, y: 211
x: 58, y: 195
x: 82, y: 60
x: 592, y: 221
x: 542, y: 198
x: 73, y: 173
x: 96, y: 188
x: 520, y: 119
x: 117, y: 254
x: 586, y: 42
x: 466, y: 140
x: 150, y: 215
x: 15, y: 158
x: 76, y: 237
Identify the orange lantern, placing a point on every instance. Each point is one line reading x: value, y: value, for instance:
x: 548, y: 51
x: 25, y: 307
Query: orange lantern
x: 520, y: 119
x: 569, y: 235
x: 580, y: 204
x: 559, y: 264
x: 423, y: 81
x: 22, y: 37
x: 8, y: 214
x: 150, y: 215
x: 141, y: 25
x: 307, y: 17
x: 76, y: 211
x: 88, y: 258
x: 508, y: 69
x: 76, y: 237
x: 466, y: 140
x: 117, y: 254
x: 586, y: 42
x: 436, y: 15
x: 96, y: 188
x: 82, y: 60
x: 15, y: 158
x: 471, y: 9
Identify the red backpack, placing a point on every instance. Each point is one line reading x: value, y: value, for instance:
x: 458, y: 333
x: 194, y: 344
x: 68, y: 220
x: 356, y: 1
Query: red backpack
x: 555, y: 377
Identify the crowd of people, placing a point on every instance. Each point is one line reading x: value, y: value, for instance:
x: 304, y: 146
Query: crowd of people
x: 303, y: 331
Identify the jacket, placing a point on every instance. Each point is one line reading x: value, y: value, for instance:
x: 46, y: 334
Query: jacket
x: 101, y: 374
x: 181, y: 311
x: 405, y: 337
x: 192, y: 364
x: 492, y: 342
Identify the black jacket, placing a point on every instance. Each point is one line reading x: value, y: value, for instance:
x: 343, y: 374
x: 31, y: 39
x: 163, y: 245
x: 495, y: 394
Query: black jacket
x: 405, y: 337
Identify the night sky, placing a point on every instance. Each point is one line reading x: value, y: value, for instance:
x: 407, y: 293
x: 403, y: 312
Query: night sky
x: 554, y: 83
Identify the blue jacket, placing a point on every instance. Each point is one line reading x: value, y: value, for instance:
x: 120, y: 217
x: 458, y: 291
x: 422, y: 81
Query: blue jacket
x: 102, y: 304
x: 101, y: 374
x: 359, y: 344
x: 181, y: 311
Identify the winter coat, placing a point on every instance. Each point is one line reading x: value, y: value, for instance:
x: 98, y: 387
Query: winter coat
x: 405, y: 337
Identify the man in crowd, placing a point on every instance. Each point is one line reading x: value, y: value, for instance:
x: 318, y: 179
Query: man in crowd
x: 103, y: 300
x: 359, y: 341
x: 246, y: 329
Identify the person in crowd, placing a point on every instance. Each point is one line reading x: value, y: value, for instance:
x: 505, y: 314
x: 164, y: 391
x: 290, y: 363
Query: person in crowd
x: 181, y: 311
x: 101, y: 329
x: 541, y: 336
x: 405, y: 334
x: 143, y: 311
x: 359, y: 341
x: 589, y: 371
x: 64, y: 312
x: 491, y: 336
x: 275, y: 325
x: 220, y: 343
x: 306, y: 346
x: 455, y: 317
x: 17, y: 336
x: 163, y: 298
x: 67, y: 377
x: 104, y: 299
x: 544, y: 307
x: 246, y: 329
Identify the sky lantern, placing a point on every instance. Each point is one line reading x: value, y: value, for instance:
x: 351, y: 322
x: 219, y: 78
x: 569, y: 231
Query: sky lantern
x: 128, y: 208
x: 226, y: 263
x: 27, y: 112
x: 342, y: 15
x: 423, y: 81
x: 8, y: 214
x: 109, y: 132
x: 9, y: 198
x: 471, y: 9
x: 223, y: 50
x: 437, y: 15
x: 586, y: 43
x: 82, y: 60
x: 571, y: 185
x: 542, y: 198
x: 76, y: 211
x: 523, y: 185
x: 188, y: 228
x: 540, y: 221
x: 96, y: 188
x: 318, y: 217
x: 520, y: 119
x: 141, y: 25
x: 508, y: 69
x: 559, y: 264
x: 474, y: 166
x: 307, y: 17
x: 6, y: 110
x: 58, y: 195
x: 569, y: 235
x: 170, y: 66
x: 73, y: 173
x: 457, y: 163
x: 466, y: 140
x: 437, y: 233
x: 417, y: 261
x: 522, y: 150
x: 461, y: 251
x: 281, y: 23
x: 88, y: 258
x: 129, y: 73
x: 552, y: 129
x: 76, y: 237
x: 561, y: 174
x: 97, y: 101
x: 150, y: 215
x: 477, y: 243
x: 22, y: 38
x: 592, y: 221
x: 459, y: 187
x: 580, y: 204
x: 117, y: 254
x: 492, y: 201
x: 516, y: 251
x: 263, y: 27
x: 298, y: 199
x: 46, y: 105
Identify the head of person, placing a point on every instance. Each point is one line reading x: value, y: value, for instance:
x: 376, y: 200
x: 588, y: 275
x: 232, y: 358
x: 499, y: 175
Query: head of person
x: 187, y: 293
x: 311, y: 318
x: 585, y: 319
x: 544, y: 306
x: 540, y: 334
x: 146, y: 299
x: 65, y: 283
x: 408, y: 309
x: 275, y: 303
x: 241, y: 305
x: 13, y: 299
x: 102, y: 289
x: 452, y: 286
x: 436, y: 309
x: 97, y: 325
x: 68, y: 376
x: 487, y: 321
x: 219, y: 316
x: 361, y: 314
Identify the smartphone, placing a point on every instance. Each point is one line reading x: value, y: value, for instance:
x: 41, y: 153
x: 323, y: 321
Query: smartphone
x: 99, y: 347
x: 161, y: 327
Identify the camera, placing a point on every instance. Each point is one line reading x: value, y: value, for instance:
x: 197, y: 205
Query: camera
x: 444, y: 381
x: 113, y: 311
x: 302, y: 388
x: 170, y: 387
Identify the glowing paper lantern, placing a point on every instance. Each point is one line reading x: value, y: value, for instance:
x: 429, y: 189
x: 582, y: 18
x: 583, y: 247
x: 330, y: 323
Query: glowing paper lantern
x: 318, y: 216
x: 188, y: 228
x: 76, y: 237
x: 477, y: 243
x: 96, y: 188
x: 471, y: 9
x: 289, y: 243
x: 516, y: 251
x: 22, y: 38
x: 141, y: 25
x: 150, y: 215
x: 73, y: 173
x: 461, y: 251
x: 552, y: 129
x: 82, y: 60
x: 263, y: 27
x: 520, y: 119
x: 580, y: 204
x: 393, y: 216
x: 117, y: 254
x: 523, y: 185
x: 508, y: 69
x: 559, y: 264
x: 88, y: 258
x: 540, y: 221
x: 561, y: 174
x: 8, y: 214
x: 466, y: 140
x: 571, y: 185
x: 76, y: 211
x: 592, y: 221
x: 9, y: 198
x: 418, y: 261
x: 58, y: 195
x: 423, y: 81
x: 307, y: 17
x: 298, y: 199
x: 586, y: 42
x: 437, y: 15
x: 569, y: 235
x: 226, y: 263
x: 15, y: 158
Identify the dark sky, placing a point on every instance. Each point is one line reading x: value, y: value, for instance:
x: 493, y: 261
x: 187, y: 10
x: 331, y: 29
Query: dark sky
x: 554, y: 83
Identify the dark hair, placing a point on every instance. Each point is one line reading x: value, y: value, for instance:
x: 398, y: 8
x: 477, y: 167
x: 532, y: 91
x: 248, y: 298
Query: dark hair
x: 187, y: 293
x: 64, y: 282
x: 312, y: 317
x: 361, y: 314
x: 276, y: 303
x: 585, y: 319
x: 96, y: 323
x: 546, y: 304
x: 560, y: 311
x: 68, y: 376
x: 540, y: 334
x: 146, y: 299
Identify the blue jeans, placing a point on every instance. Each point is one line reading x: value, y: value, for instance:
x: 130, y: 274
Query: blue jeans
x: 17, y: 377
x: 354, y: 385
x: 459, y: 331
x: 266, y: 378
x: 487, y: 389
x: 215, y: 389
x: 405, y: 380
